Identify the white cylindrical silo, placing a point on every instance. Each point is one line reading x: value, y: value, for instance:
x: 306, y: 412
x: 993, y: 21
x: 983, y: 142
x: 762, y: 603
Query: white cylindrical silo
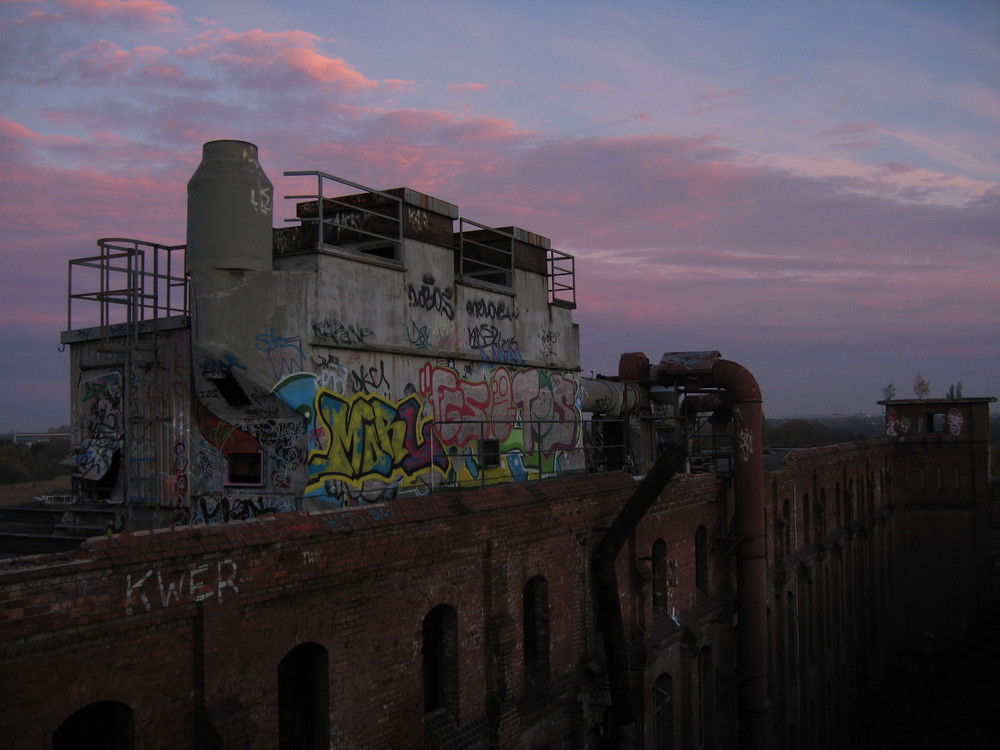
x: 229, y: 210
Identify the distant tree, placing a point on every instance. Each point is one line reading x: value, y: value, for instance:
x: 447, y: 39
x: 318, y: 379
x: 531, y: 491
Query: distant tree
x: 921, y: 386
x: 955, y: 391
x: 24, y: 463
x: 889, y: 392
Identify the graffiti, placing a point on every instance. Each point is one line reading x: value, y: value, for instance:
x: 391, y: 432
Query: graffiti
x: 180, y: 475
x: 212, y: 470
x: 447, y: 337
x: 430, y: 297
x: 260, y: 199
x: 492, y: 346
x: 336, y: 331
x: 955, y: 421
x: 370, y: 380
x: 330, y: 374
x: 892, y: 424
x: 372, y: 491
x: 101, y: 424
x: 162, y: 589
x: 353, y: 220
x: 211, y: 510
x: 418, y: 219
x: 548, y: 402
x: 548, y: 339
x: 216, y: 364
x: 418, y: 335
x: 353, y: 519
x: 371, y: 437
x: 481, y: 308
x: 465, y: 410
x: 541, y: 405
x: 285, y: 354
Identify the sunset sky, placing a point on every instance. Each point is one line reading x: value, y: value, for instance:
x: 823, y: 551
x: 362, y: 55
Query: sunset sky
x: 812, y: 188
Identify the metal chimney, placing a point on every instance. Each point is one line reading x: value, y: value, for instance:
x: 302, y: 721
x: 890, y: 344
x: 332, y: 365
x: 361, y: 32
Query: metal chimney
x: 229, y: 210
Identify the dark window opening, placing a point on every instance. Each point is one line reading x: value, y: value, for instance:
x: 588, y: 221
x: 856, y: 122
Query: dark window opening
x: 937, y: 422
x: 228, y: 386
x: 491, y: 453
x: 440, y: 639
x: 106, y: 724
x: 245, y: 468
x: 535, y: 601
x: 706, y: 698
x: 304, y: 699
x: 663, y: 713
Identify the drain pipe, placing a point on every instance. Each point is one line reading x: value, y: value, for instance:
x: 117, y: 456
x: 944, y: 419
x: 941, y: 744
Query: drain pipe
x: 708, y: 369
x: 609, y: 612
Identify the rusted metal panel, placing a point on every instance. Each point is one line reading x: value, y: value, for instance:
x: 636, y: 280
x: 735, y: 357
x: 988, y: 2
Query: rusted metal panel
x: 688, y: 363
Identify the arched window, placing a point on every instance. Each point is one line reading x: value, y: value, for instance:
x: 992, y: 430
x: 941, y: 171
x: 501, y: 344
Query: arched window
x: 535, y: 605
x: 440, y: 637
x: 105, y: 724
x: 304, y: 698
x: 661, y: 575
x: 701, y: 560
x: 663, y: 713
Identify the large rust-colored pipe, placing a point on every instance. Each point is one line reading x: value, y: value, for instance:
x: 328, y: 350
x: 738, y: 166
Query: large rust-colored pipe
x: 709, y: 370
x: 695, y: 370
x: 751, y: 553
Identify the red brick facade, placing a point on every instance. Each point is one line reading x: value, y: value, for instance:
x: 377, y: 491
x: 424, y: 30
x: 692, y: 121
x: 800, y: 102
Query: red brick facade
x: 188, y: 628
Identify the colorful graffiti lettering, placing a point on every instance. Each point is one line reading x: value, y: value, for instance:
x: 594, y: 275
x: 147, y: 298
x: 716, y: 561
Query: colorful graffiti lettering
x: 533, y: 411
x: 369, y: 436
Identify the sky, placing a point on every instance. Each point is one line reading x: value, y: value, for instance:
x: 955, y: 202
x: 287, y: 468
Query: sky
x: 810, y: 188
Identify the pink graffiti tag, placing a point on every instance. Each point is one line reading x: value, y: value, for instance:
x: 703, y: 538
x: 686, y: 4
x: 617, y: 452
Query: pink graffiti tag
x: 955, y: 422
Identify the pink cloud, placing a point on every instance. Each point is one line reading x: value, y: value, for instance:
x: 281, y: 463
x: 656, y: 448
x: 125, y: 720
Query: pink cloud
x: 397, y: 84
x: 263, y: 60
x: 130, y: 13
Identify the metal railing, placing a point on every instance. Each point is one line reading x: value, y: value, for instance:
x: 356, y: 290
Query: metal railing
x: 488, y: 258
x: 562, y: 278
x: 357, y: 222
x: 131, y: 281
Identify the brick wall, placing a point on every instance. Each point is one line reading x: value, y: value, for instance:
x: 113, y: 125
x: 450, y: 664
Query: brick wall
x: 188, y: 626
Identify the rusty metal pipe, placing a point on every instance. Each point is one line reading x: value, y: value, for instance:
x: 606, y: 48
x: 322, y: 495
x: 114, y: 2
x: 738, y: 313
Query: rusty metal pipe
x: 709, y: 370
x: 751, y: 553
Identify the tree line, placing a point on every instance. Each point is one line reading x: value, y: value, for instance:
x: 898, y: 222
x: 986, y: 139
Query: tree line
x: 40, y: 461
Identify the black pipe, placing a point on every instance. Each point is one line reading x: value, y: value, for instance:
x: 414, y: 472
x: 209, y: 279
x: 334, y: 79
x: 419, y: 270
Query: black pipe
x: 609, y: 612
